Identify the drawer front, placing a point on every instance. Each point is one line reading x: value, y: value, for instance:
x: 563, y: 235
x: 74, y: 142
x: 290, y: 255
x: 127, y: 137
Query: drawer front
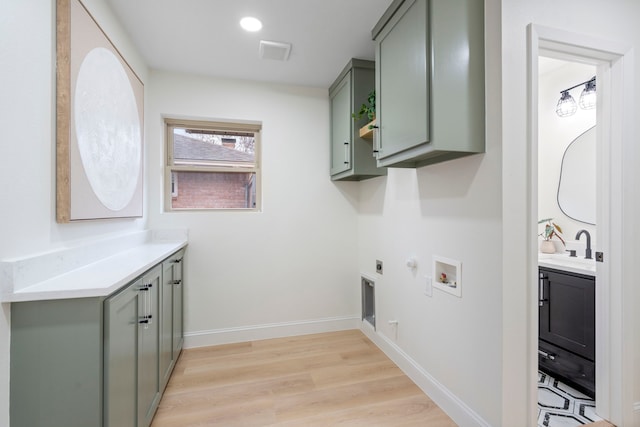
x: 572, y: 369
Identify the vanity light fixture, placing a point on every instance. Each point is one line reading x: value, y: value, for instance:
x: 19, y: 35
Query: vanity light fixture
x: 567, y: 105
x: 249, y: 23
x: 588, y: 96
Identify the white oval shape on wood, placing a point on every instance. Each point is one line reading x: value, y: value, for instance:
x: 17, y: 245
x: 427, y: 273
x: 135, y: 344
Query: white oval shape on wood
x: 107, y: 128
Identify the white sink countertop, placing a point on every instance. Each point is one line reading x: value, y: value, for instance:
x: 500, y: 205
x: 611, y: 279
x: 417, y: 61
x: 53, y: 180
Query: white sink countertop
x: 568, y: 263
x: 93, y: 270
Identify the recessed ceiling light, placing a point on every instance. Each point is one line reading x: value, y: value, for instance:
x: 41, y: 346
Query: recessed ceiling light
x: 250, y: 23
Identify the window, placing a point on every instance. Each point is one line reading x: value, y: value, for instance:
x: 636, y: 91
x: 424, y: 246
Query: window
x: 212, y: 165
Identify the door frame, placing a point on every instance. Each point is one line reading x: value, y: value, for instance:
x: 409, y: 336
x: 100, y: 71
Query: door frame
x: 614, y: 316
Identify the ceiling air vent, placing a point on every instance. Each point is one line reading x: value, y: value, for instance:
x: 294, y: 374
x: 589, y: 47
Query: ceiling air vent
x: 274, y: 50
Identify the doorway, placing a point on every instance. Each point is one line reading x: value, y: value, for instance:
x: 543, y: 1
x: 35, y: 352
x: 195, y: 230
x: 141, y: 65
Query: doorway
x: 567, y: 198
x: 614, y: 67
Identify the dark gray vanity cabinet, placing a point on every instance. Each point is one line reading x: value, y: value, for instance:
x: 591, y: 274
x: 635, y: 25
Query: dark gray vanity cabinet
x: 567, y: 327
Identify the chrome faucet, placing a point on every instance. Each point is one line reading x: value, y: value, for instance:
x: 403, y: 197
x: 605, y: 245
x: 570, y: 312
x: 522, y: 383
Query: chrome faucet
x: 587, y: 252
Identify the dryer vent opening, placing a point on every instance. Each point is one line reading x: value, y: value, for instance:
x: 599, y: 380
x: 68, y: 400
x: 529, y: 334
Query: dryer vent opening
x: 368, y: 301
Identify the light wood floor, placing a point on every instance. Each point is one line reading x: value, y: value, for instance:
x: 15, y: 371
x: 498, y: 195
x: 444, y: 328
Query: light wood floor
x: 331, y: 379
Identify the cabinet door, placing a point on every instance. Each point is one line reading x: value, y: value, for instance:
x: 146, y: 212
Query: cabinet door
x: 178, y: 288
x: 121, y: 357
x: 56, y: 363
x: 341, y: 122
x: 166, y: 322
x: 567, y: 312
x: 430, y: 81
x: 148, y: 346
x: 402, y: 80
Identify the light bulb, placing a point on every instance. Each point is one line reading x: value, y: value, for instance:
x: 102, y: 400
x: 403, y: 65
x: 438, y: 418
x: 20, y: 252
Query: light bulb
x: 566, y: 105
x: 588, y: 96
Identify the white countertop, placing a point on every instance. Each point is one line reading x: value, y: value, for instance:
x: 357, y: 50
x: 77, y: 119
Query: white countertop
x: 565, y: 262
x: 78, y: 279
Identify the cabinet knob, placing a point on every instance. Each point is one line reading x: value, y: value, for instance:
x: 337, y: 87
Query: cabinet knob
x: 176, y: 282
x: 143, y: 321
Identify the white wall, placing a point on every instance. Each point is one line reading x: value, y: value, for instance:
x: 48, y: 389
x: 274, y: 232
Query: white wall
x: 294, y: 262
x: 609, y: 21
x: 451, y: 209
x: 555, y: 134
x: 27, y: 111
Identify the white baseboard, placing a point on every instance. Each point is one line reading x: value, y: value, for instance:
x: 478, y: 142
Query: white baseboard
x: 445, y: 399
x: 274, y: 330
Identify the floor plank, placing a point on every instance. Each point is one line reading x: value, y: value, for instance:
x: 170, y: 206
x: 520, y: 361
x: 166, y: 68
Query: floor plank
x: 329, y: 379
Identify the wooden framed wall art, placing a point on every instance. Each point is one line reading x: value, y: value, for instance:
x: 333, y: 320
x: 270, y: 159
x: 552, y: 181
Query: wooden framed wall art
x: 99, y: 122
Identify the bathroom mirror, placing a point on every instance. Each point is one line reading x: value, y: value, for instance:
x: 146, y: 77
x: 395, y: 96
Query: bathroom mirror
x: 577, y: 186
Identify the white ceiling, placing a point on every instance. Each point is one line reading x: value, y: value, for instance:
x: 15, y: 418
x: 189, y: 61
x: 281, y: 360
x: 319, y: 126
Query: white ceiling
x: 547, y: 65
x: 204, y: 36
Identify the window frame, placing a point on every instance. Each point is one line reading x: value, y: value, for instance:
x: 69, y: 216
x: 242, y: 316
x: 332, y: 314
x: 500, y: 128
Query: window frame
x: 170, y: 167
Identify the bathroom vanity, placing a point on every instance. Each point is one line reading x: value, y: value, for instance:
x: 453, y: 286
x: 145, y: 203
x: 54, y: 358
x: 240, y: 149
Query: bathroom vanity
x: 566, y: 341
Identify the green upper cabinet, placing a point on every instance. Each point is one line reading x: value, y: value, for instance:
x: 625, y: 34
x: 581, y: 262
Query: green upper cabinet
x: 429, y: 81
x: 351, y: 156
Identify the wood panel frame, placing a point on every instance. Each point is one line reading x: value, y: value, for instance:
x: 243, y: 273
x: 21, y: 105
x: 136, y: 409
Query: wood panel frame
x: 75, y: 197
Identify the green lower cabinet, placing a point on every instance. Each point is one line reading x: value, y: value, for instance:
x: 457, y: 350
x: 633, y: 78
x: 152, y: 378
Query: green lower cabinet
x: 96, y: 362
x: 178, y: 289
x: 149, y: 346
x: 171, y: 323
x: 132, y: 378
x: 56, y: 363
x: 122, y: 315
x: 166, y: 323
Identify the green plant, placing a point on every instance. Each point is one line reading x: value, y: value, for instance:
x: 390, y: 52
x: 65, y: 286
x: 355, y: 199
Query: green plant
x: 368, y: 110
x: 550, y: 229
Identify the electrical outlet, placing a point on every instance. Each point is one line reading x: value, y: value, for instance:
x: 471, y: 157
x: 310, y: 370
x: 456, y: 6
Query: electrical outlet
x: 428, y: 287
x: 378, y: 266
